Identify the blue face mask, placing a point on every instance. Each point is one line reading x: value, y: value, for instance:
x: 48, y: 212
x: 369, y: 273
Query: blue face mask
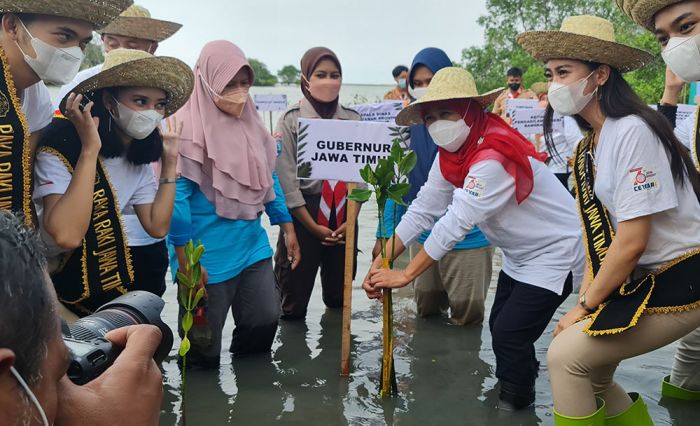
x: 402, y: 83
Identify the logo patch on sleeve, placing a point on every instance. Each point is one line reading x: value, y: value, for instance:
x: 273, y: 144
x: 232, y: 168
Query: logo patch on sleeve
x: 474, y: 186
x: 643, y: 179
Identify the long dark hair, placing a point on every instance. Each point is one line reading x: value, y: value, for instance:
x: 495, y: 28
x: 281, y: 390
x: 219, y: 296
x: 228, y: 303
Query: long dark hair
x: 143, y: 151
x: 617, y: 100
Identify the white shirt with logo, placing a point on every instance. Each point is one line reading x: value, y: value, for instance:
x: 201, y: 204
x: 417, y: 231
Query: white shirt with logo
x: 541, y: 237
x: 633, y: 179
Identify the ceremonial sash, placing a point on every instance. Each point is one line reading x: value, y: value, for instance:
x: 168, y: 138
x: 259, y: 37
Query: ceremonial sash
x: 101, y: 269
x: 672, y: 288
x: 15, y: 167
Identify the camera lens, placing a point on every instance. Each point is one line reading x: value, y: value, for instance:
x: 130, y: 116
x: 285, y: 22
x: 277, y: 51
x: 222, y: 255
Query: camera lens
x: 136, y: 307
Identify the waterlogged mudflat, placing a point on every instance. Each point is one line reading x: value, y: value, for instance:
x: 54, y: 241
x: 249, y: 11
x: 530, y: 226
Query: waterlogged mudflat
x: 445, y: 373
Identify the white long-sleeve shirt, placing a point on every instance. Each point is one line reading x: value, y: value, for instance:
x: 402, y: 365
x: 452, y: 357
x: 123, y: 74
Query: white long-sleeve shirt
x: 541, y: 238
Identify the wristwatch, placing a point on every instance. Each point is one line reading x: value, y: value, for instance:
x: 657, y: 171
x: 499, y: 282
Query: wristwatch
x: 582, y: 303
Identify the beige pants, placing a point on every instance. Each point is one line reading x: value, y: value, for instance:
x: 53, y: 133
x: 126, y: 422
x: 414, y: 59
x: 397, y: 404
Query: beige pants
x: 581, y: 366
x: 459, y: 281
x: 686, y: 367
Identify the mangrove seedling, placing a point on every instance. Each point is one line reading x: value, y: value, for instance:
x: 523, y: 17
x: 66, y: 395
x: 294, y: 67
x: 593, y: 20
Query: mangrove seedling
x: 387, y: 181
x: 190, y: 296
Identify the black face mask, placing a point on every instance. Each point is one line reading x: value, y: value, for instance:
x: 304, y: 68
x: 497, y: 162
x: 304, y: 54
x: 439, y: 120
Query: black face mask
x: 514, y: 86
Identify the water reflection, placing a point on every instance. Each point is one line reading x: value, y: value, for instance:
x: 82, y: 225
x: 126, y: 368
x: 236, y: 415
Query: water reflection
x: 308, y: 363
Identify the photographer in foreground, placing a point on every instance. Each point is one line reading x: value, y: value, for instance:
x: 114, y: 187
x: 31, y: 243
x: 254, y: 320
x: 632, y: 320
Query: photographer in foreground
x: 34, y: 388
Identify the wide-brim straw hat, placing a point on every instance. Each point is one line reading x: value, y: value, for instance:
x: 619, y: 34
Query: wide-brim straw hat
x: 540, y: 87
x: 643, y: 11
x: 97, y: 12
x: 136, y: 68
x: 585, y: 38
x: 451, y: 83
x: 136, y: 22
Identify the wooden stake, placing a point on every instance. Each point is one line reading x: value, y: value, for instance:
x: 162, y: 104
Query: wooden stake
x: 351, y: 213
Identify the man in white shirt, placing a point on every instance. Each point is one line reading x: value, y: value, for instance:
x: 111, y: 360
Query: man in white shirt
x: 135, y: 29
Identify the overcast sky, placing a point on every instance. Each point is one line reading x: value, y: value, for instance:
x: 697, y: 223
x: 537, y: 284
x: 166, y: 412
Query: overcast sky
x: 369, y: 36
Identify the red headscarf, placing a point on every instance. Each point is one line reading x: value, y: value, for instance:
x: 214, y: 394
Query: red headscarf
x: 490, y: 138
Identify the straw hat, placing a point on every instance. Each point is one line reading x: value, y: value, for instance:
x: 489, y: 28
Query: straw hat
x: 97, y: 12
x: 136, y: 68
x: 136, y: 22
x: 540, y: 87
x: 447, y: 84
x: 643, y: 11
x: 586, y: 38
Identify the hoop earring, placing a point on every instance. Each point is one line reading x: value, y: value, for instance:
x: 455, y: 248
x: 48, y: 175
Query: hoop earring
x: 600, y: 93
x: 109, y: 125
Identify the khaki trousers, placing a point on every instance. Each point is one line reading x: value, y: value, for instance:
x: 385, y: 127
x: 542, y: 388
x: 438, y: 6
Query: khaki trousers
x: 581, y: 366
x: 686, y: 367
x: 459, y: 281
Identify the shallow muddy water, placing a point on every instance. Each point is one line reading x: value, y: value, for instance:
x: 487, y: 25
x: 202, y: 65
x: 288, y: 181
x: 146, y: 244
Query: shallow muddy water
x: 445, y: 373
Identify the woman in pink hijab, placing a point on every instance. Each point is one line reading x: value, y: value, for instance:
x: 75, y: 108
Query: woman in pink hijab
x: 226, y: 180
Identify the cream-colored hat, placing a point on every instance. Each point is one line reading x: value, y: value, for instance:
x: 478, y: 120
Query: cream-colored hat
x: 136, y: 22
x: 136, y: 68
x: 540, y: 87
x: 97, y: 12
x: 447, y: 84
x: 643, y: 11
x: 585, y: 38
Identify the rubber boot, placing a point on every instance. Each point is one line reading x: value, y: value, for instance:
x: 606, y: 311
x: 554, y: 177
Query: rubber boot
x: 595, y: 419
x: 635, y: 415
x: 669, y: 390
x: 515, y: 397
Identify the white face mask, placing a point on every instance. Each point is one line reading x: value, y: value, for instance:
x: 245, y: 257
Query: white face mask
x: 569, y: 99
x: 52, y: 64
x: 137, y: 124
x: 31, y: 395
x: 449, y: 135
x: 682, y: 55
x: 418, y: 92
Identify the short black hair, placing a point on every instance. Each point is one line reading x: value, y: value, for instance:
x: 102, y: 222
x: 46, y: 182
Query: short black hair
x: 28, y: 320
x: 398, y: 70
x: 515, y: 72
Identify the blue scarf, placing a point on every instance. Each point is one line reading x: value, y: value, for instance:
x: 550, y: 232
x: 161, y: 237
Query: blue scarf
x: 421, y: 142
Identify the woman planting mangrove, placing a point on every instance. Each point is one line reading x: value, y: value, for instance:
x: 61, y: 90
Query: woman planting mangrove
x: 488, y: 174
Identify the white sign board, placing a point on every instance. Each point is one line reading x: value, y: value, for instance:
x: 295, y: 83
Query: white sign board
x: 531, y: 121
x: 271, y: 102
x: 513, y: 104
x: 682, y: 113
x: 382, y: 111
x: 338, y: 149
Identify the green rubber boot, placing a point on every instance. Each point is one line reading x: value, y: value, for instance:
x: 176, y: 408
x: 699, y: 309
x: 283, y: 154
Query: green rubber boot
x: 595, y: 419
x: 672, y: 391
x: 635, y: 415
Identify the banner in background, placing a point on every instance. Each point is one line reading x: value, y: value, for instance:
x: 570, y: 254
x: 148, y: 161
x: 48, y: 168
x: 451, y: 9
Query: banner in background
x: 267, y: 103
x: 338, y: 149
x: 382, y: 111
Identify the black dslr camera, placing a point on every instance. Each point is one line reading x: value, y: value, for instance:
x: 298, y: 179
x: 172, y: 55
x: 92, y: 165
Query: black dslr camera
x: 91, y: 354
